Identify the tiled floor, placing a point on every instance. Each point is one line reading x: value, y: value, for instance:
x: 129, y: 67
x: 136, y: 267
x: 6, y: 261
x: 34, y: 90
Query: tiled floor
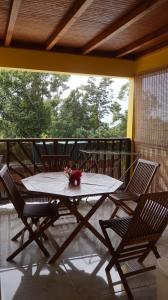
x: 78, y: 274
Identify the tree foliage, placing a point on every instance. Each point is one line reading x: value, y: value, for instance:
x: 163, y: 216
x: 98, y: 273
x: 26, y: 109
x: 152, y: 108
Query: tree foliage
x: 119, y: 116
x: 32, y: 105
x: 22, y: 102
x: 98, y: 96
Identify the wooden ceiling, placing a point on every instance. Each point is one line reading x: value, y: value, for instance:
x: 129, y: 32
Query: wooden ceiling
x: 109, y: 28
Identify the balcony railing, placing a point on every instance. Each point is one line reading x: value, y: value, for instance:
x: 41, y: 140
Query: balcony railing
x: 23, y: 156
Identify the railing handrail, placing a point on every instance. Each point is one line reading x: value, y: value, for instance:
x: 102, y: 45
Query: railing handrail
x: 62, y: 139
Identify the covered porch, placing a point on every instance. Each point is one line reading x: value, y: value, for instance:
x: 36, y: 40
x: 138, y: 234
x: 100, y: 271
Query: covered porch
x: 105, y: 39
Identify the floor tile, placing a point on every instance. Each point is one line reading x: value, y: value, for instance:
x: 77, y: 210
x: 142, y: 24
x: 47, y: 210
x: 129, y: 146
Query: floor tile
x: 138, y: 294
x: 40, y: 282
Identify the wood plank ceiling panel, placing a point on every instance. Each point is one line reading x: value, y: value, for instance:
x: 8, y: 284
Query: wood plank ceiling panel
x: 74, y: 13
x: 162, y: 43
x: 94, y: 20
x: 14, y: 10
x: 122, y: 24
x: 144, y: 42
x: 4, y: 15
x: 38, y: 18
x: 155, y: 44
x: 108, y: 11
x: 89, y: 27
x: 150, y: 23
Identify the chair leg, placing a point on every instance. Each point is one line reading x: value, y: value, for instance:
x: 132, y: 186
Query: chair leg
x: 124, y: 281
x: 114, y: 261
x: 151, y: 248
x: 34, y: 236
x: 156, y: 253
x: 106, y: 236
x: 37, y: 224
x: 127, y: 209
x: 22, y: 231
x: 111, y: 249
x: 24, y: 245
x: 114, y: 212
x: 39, y: 232
x: 15, y: 237
x: 110, y: 264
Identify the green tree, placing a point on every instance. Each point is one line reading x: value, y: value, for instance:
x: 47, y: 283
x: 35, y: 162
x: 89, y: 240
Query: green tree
x: 98, y: 96
x: 83, y: 112
x: 73, y: 115
x: 23, y: 96
x: 120, y: 117
x: 31, y: 105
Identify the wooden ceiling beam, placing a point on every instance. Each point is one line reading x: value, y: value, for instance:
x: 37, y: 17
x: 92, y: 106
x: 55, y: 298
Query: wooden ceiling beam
x: 157, y: 47
x: 72, y: 15
x: 142, y: 41
x: 121, y: 24
x: 14, y: 10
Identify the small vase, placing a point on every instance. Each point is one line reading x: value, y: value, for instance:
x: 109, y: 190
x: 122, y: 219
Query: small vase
x: 74, y: 181
x: 71, y: 180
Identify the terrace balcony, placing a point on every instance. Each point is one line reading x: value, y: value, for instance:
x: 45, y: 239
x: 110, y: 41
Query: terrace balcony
x: 104, y: 38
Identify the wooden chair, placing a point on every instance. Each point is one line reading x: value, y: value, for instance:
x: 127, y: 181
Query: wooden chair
x: 57, y: 163
x: 48, y: 212
x: 137, y: 185
x: 138, y: 234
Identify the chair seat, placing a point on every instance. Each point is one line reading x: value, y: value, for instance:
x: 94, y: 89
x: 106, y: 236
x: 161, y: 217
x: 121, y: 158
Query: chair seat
x: 40, y: 209
x: 124, y: 196
x: 119, y: 226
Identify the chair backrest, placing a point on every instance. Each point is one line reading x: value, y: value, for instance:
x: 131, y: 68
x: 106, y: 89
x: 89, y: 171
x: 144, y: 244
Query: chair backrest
x: 12, y: 190
x: 55, y: 163
x: 150, y: 218
x: 142, y: 176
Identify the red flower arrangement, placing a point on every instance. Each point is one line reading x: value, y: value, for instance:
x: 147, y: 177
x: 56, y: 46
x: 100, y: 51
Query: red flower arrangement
x: 73, y: 175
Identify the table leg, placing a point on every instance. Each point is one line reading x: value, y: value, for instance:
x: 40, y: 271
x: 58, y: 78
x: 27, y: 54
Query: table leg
x: 83, y: 222
x: 86, y: 223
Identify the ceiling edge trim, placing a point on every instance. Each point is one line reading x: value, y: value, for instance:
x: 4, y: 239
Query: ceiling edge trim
x: 36, y: 60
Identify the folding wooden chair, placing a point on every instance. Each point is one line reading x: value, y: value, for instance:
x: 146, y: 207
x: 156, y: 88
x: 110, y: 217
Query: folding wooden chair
x: 48, y: 212
x: 57, y: 163
x: 138, y: 234
x: 138, y: 184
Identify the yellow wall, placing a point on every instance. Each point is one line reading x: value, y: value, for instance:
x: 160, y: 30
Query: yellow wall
x: 78, y: 64
x: 68, y: 63
x: 130, y: 121
x: 155, y: 60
